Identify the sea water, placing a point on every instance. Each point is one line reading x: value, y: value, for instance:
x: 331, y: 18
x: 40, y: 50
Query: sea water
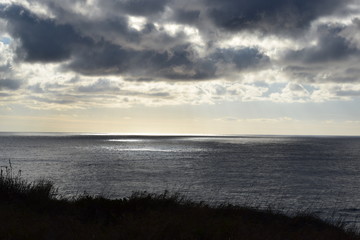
x: 289, y: 173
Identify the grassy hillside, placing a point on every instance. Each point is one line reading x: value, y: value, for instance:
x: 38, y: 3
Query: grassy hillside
x: 35, y: 211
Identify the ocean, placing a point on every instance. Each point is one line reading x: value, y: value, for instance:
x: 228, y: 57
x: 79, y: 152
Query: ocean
x: 319, y: 174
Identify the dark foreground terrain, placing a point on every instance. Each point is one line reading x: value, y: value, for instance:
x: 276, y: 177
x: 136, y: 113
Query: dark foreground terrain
x: 35, y: 211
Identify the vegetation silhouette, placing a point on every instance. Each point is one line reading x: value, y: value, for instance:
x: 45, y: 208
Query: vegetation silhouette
x: 35, y: 210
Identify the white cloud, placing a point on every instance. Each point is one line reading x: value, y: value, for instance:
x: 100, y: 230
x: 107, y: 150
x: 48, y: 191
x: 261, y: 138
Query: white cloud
x: 292, y: 92
x: 137, y: 23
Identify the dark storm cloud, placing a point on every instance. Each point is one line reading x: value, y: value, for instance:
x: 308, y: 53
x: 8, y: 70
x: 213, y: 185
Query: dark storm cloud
x: 186, y: 16
x: 42, y: 40
x: 242, y: 58
x: 110, y: 28
x: 141, y: 79
x: 310, y: 73
x: 142, y: 7
x: 108, y: 59
x: 178, y: 63
x: 108, y: 45
x: 270, y: 15
x: 331, y: 46
x: 330, y: 59
x: 10, y: 84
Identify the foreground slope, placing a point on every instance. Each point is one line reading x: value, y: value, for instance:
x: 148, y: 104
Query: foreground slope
x: 35, y: 211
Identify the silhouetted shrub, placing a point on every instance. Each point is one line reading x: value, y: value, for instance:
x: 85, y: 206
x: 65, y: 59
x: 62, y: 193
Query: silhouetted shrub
x: 14, y: 188
x: 34, y: 211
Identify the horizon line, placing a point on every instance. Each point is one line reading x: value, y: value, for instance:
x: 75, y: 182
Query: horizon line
x: 172, y: 134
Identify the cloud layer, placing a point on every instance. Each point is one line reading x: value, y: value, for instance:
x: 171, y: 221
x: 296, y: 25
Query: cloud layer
x: 172, y: 52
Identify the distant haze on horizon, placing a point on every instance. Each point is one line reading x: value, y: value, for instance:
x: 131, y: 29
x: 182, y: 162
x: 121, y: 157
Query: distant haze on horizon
x: 283, y: 67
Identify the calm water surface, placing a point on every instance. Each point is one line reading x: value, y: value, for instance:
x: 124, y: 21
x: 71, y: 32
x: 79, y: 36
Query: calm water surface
x: 321, y: 174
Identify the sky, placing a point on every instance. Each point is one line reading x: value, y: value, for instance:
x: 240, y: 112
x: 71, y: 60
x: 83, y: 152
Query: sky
x: 180, y: 67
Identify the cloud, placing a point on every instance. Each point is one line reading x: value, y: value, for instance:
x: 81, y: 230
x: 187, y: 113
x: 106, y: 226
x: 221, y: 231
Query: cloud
x: 53, y: 101
x: 36, y: 88
x: 142, y: 7
x: 292, y: 92
x: 330, y: 46
x: 328, y: 54
x: 240, y: 58
x: 178, y: 63
x: 101, y: 85
x: 209, y: 51
x: 10, y: 84
x: 352, y: 33
x: 108, y: 59
x: 186, y: 16
x: 269, y: 16
x: 348, y: 93
x: 42, y: 40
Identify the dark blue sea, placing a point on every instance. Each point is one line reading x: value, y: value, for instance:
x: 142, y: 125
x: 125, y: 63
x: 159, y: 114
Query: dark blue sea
x: 289, y: 173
